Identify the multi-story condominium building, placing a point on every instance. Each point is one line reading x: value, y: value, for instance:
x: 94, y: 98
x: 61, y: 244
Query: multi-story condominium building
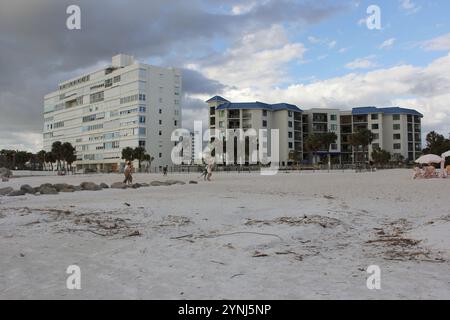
x: 126, y: 104
x: 396, y: 130
x: 286, y: 118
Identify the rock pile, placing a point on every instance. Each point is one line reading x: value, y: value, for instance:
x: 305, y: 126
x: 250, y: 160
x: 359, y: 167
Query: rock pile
x: 53, y: 189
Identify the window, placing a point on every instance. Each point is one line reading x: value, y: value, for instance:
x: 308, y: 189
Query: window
x: 375, y: 126
x: 142, y: 109
x: 374, y: 116
x: 290, y: 125
x: 116, y: 79
x: 97, y: 97
x: 142, y: 144
x: 290, y: 135
x: 58, y: 125
x: 376, y: 136
x: 222, y: 113
x: 160, y: 122
x: 333, y: 117
x: 375, y: 146
x: 264, y: 123
x: 160, y: 155
x: 396, y: 117
x: 108, y: 83
x: 160, y: 132
x: 142, y: 131
x: 264, y: 113
x: 221, y: 124
x: 291, y: 145
x: 333, y: 146
x: 396, y: 126
x: 397, y: 136
x: 289, y: 114
x: 334, y: 127
x: 141, y: 119
x: 160, y: 111
x: 397, y: 146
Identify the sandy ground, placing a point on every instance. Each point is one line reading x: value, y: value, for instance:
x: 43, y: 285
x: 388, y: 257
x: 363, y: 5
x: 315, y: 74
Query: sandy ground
x: 291, y: 236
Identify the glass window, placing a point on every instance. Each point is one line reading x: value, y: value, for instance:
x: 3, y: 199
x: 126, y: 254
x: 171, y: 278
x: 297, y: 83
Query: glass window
x: 396, y: 126
x: 396, y: 117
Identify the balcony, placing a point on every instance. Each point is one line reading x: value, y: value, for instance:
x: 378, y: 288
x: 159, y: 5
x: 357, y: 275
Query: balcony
x: 320, y: 128
x: 247, y: 115
x: 234, y: 114
x: 360, y: 119
x: 234, y: 124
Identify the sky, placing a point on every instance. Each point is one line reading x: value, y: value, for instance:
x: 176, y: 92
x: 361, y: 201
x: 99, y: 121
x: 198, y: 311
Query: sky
x: 315, y: 54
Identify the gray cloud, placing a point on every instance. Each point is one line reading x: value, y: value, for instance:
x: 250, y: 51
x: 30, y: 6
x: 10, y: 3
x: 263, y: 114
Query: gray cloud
x: 37, y: 51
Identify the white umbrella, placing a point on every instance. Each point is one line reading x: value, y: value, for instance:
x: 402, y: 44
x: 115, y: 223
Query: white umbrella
x: 429, y: 158
x: 446, y: 154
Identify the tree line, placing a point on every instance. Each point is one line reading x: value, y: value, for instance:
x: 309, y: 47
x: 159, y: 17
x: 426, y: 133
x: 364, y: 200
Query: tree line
x: 62, y: 156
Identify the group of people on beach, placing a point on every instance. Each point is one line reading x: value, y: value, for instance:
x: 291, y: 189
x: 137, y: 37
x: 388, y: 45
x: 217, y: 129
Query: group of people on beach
x: 128, y: 172
x: 428, y: 172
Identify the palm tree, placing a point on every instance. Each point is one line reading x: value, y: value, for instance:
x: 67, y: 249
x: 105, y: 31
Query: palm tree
x: 327, y: 140
x: 361, y: 138
x: 139, y: 154
x: 128, y: 154
x: 57, y: 151
x: 41, y: 158
x: 313, y: 144
x: 68, y: 153
x: 149, y: 159
x: 50, y: 158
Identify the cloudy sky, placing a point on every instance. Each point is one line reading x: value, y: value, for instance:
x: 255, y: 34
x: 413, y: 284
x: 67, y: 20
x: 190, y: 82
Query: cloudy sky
x: 310, y: 53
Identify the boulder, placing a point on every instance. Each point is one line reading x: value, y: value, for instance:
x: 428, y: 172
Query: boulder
x: 67, y: 190
x: 48, y: 190
x: 27, y: 189
x: 144, y: 185
x: 159, y: 184
x: 173, y: 182
x: 104, y: 185
x: 60, y: 186
x: 16, y: 193
x: 193, y: 182
x: 90, y: 186
x: 6, y: 191
x: 118, y: 185
x: 46, y: 185
x: 5, y: 172
x: 136, y: 186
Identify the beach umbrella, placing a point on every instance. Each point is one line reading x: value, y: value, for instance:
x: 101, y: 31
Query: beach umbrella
x: 429, y: 158
x: 446, y: 154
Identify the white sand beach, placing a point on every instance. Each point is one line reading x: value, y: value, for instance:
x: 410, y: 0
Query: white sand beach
x: 242, y: 236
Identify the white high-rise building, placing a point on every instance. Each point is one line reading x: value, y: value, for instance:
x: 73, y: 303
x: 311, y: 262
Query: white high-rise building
x: 125, y: 104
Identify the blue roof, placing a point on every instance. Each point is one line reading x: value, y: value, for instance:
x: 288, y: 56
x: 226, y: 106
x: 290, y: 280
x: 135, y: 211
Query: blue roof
x: 217, y: 98
x: 389, y: 110
x: 258, y: 106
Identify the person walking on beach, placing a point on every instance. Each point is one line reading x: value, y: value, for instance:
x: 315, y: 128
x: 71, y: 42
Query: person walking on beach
x: 128, y: 171
x: 165, y: 170
x: 204, y: 173
x: 209, y: 170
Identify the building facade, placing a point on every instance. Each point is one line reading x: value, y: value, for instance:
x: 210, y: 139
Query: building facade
x: 396, y: 130
x: 125, y: 104
x: 287, y: 118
